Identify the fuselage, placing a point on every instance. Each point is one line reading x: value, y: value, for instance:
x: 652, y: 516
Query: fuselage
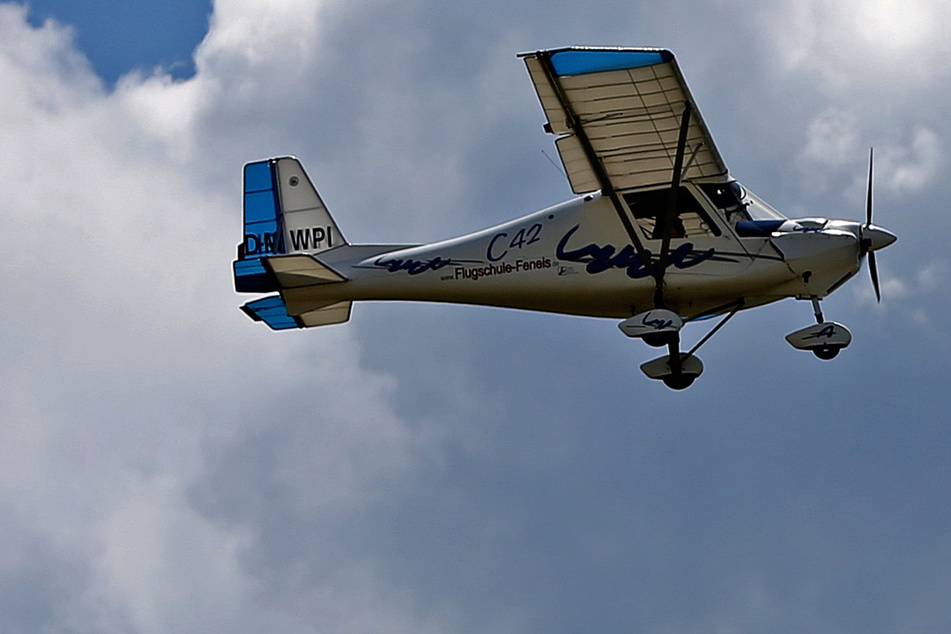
x: 576, y: 258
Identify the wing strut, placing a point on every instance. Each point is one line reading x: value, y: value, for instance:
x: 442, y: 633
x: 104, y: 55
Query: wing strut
x: 670, y: 216
x: 604, y: 181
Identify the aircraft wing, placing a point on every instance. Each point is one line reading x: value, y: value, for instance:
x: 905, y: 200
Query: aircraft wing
x: 620, y: 108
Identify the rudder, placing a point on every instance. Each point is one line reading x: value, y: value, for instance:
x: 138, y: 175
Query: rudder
x: 283, y: 213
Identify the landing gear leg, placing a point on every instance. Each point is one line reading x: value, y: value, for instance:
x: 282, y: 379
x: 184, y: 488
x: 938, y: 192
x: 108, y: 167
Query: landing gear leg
x: 817, y: 309
x: 677, y: 379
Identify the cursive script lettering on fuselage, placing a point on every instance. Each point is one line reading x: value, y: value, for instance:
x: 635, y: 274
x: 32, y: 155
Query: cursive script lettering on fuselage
x: 411, y: 266
x: 601, y: 258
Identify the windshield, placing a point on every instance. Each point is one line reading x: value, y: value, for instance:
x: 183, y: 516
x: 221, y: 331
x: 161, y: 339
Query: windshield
x: 759, y: 209
x: 739, y: 203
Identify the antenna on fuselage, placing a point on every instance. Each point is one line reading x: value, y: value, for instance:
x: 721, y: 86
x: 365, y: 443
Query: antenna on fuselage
x: 561, y: 169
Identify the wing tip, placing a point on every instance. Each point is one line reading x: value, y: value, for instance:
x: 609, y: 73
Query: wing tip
x: 580, y: 60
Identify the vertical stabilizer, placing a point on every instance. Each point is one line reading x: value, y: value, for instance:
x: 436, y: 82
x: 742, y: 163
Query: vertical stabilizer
x: 283, y: 214
x: 308, y: 226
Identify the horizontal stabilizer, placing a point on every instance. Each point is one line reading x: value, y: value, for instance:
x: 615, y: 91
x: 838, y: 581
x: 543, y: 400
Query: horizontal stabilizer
x: 333, y: 314
x: 294, y: 271
x: 272, y: 311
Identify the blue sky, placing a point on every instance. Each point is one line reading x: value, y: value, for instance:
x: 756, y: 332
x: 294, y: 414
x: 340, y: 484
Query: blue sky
x: 166, y: 465
x: 118, y: 37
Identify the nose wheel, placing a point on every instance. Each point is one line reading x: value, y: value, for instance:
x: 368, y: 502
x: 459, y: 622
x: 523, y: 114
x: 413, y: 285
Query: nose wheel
x: 826, y: 353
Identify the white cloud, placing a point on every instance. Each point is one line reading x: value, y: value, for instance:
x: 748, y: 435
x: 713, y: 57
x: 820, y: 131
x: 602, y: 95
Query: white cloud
x: 855, y: 75
x: 832, y: 143
x: 264, y: 36
x: 913, y: 167
x: 127, y: 365
x: 899, y: 27
x: 833, y: 153
x: 844, y: 44
x: 910, y: 295
x: 933, y: 276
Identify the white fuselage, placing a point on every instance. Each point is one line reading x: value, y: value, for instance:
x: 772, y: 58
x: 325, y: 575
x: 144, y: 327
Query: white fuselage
x: 576, y: 258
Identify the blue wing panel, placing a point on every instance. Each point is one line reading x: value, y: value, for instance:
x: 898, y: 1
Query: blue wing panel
x: 580, y: 61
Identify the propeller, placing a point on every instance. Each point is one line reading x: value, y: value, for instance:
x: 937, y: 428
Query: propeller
x: 866, y: 243
x: 872, y: 238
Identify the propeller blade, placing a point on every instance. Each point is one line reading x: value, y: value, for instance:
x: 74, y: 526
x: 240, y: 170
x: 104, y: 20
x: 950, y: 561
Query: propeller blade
x: 873, y: 271
x: 868, y: 197
x: 866, y: 241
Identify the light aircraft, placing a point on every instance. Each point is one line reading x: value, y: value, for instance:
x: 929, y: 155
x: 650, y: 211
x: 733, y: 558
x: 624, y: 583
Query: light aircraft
x: 660, y: 234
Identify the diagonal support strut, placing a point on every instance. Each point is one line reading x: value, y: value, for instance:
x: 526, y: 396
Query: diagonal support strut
x: 667, y: 221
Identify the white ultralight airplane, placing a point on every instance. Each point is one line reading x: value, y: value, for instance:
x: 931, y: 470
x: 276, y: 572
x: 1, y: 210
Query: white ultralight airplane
x: 659, y: 236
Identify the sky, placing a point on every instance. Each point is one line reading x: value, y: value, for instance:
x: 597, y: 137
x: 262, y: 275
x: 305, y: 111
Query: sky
x: 167, y: 465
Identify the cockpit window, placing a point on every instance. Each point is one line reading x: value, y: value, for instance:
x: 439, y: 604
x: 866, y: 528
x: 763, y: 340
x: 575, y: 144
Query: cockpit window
x: 692, y: 220
x: 729, y: 197
x: 724, y: 195
x: 739, y: 203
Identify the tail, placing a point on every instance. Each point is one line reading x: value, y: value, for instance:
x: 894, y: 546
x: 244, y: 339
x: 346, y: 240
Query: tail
x: 284, y: 216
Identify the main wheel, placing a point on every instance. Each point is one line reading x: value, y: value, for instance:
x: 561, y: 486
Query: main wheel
x: 658, y: 340
x: 679, y: 381
x: 826, y: 352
